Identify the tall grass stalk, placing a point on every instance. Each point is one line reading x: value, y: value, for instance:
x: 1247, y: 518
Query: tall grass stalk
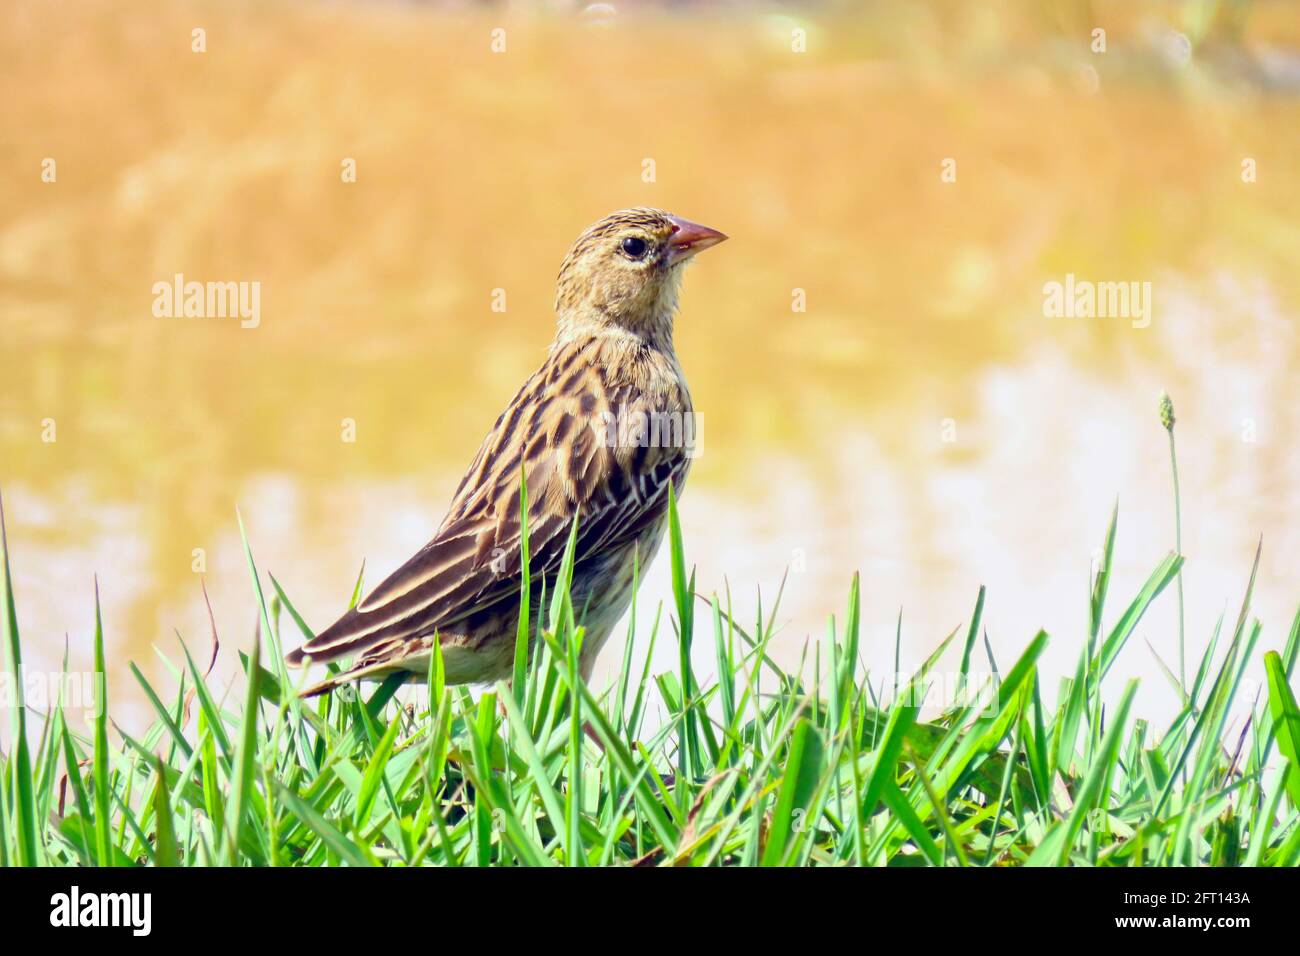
x: 1167, y: 420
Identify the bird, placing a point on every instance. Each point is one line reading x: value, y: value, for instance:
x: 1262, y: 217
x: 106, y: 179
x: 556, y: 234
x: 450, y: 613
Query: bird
x: 597, y: 435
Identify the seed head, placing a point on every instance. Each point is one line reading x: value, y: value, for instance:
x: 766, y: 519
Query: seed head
x: 1166, y: 411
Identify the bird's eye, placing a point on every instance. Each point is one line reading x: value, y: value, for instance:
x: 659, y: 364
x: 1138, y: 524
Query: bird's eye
x: 634, y: 247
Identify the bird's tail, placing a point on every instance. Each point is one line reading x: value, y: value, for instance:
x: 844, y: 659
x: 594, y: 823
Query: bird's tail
x: 365, y: 671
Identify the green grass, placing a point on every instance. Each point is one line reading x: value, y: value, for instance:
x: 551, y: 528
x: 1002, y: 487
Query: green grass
x: 753, y: 765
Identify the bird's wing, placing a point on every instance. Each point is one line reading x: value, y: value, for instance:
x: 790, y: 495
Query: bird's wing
x: 474, y: 560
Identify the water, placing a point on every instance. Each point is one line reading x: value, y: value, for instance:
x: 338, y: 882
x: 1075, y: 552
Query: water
x: 922, y: 421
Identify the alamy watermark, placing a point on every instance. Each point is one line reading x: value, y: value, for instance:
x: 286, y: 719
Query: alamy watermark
x: 133, y: 911
x: 1084, y: 299
x: 634, y: 428
x: 179, y: 299
x: 43, y: 690
x: 976, y: 691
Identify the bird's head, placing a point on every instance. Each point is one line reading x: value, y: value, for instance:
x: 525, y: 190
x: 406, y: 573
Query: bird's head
x: 626, y: 269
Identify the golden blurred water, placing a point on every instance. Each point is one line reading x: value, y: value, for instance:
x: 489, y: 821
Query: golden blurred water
x: 825, y: 442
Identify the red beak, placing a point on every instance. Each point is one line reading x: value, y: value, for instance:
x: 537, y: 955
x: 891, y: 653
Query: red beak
x: 689, y: 238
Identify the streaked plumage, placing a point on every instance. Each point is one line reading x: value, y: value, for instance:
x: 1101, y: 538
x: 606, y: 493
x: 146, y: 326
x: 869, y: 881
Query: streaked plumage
x: 612, y: 361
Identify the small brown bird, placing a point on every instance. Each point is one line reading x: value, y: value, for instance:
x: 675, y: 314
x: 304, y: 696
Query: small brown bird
x: 599, y: 432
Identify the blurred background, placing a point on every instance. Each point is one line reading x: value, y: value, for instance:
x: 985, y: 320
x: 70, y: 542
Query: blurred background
x: 915, y: 172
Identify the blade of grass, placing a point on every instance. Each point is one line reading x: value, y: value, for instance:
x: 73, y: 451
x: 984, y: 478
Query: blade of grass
x: 99, y: 773
x: 245, y: 755
x: 20, y: 761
